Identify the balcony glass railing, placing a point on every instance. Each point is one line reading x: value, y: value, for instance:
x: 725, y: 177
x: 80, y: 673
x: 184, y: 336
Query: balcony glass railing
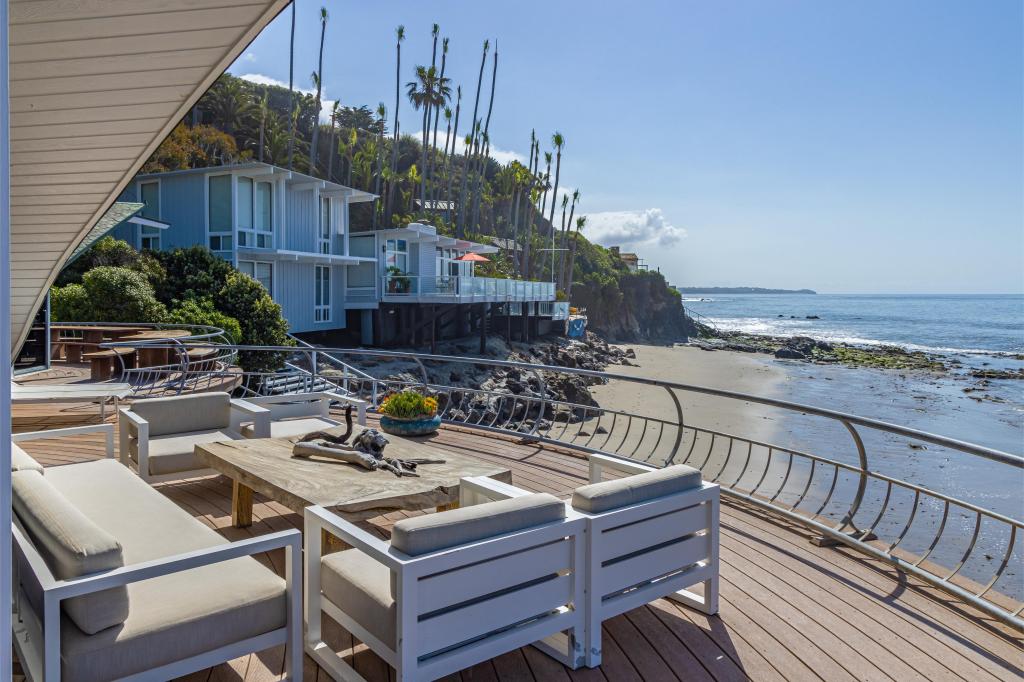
x: 467, y: 287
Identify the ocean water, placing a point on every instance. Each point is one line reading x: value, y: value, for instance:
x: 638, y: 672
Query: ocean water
x: 948, y: 324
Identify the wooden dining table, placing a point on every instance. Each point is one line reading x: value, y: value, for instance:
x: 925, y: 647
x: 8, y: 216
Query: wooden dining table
x: 155, y: 356
x: 92, y: 337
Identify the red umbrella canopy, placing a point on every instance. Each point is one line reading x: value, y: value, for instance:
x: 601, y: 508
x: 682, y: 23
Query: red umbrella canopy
x: 474, y: 257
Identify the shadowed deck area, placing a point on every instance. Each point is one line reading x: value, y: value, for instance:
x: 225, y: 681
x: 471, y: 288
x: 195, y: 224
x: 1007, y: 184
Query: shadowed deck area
x: 789, y: 610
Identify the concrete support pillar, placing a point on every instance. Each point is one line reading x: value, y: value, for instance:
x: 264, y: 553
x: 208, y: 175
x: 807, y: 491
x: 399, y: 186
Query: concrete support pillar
x: 525, y: 336
x: 433, y: 330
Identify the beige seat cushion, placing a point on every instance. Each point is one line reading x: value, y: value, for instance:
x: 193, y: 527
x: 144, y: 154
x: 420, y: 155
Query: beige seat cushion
x: 287, y: 428
x: 182, y: 414
x: 22, y: 461
x: 361, y: 587
x: 433, y: 532
x: 72, y: 546
x: 601, y: 497
x: 171, y: 617
x: 175, y: 454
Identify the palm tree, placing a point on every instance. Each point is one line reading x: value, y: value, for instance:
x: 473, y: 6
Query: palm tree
x: 382, y: 114
x: 350, y: 150
x: 558, y: 141
x: 451, y: 155
x: 580, y: 224
x: 546, y: 183
x: 473, y: 127
x: 565, y: 228
x: 291, y: 88
x: 264, y: 115
x: 487, y: 141
x: 319, y: 81
x: 330, y: 144
x: 437, y: 117
x: 399, y: 36
x: 421, y: 94
x: 231, y: 104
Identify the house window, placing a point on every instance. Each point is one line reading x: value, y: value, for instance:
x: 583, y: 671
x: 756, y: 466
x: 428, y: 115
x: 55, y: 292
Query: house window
x: 322, y: 286
x: 219, y: 216
x: 149, y: 193
x: 324, y: 242
x: 396, y: 254
x: 260, y: 271
x: 255, y: 210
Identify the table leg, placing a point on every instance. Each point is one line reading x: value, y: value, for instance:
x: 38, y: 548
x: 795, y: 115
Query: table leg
x: 241, y: 505
x: 331, y: 543
x: 454, y: 504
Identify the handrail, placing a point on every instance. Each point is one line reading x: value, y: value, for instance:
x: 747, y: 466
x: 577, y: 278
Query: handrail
x: 847, y: 502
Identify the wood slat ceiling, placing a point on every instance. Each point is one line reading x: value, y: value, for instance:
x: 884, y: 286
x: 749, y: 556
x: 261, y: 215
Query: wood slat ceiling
x: 95, y: 86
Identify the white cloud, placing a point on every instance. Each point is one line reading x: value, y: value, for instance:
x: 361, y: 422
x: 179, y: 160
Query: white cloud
x: 646, y: 227
x: 249, y: 57
x: 325, y: 104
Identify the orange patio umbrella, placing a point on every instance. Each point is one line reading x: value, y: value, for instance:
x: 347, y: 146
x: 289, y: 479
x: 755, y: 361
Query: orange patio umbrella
x: 474, y: 258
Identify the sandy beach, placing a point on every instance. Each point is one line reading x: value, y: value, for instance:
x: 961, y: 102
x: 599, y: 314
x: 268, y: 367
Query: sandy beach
x: 688, y: 365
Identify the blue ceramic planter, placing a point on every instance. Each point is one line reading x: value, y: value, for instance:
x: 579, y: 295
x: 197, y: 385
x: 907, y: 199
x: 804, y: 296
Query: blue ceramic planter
x: 409, y: 427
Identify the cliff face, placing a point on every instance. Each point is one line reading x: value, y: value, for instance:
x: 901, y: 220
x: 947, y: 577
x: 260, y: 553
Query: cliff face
x: 633, y: 307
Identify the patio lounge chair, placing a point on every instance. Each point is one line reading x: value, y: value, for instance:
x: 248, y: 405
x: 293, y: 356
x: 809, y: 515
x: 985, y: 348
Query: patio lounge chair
x: 651, y: 534
x: 302, y: 413
x: 71, y: 393
x: 115, y: 581
x: 452, y: 588
x: 159, y: 435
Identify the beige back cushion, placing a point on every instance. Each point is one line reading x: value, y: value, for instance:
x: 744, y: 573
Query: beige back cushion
x: 433, y: 532
x: 601, y: 497
x: 72, y: 546
x: 22, y: 461
x: 180, y: 414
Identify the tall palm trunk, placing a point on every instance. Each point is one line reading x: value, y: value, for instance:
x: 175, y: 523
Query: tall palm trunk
x: 377, y: 207
x: 319, y: 89
x: 558, y: 141
x: 465, y: 171
x: 330, y: 144
x: 291, y: 89
x: 400, y: 36
x: 437, y: 119
x: 451, y: 156
x: 487, y: 141
x: 580, y: 222
x: 264, y: 110
x: 566, y: 227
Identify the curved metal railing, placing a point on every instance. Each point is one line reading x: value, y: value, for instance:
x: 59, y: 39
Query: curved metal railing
x: 840, y: 491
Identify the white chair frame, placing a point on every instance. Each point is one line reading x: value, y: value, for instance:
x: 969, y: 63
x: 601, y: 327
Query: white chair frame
x: 128, y: 422
x: 451, y: 574
x: 37, y: 640
x: 312, y: 404
x: 106, y: 429
x: 693, y: 513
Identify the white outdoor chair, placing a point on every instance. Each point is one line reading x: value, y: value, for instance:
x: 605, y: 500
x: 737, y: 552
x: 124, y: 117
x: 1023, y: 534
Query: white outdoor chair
x: 452, y: 588
x: 651, y: 534
x: 115, y: 581
x: 302, y: 413
x: 158, y: 435
x: 106, y: 429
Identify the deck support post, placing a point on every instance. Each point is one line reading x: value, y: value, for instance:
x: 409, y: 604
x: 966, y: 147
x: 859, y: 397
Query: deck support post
x: 433, y: 330
x: 524, y: 335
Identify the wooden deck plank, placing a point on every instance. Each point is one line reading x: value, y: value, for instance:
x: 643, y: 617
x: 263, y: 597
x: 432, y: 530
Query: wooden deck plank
x: 789, y: 610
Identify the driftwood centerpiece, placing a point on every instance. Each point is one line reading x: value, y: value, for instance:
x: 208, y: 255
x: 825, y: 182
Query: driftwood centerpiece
x: 366, y: 450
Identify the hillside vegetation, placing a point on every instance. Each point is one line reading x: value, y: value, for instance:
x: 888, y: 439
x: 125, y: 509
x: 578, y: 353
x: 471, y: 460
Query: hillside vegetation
x: 442, y: 178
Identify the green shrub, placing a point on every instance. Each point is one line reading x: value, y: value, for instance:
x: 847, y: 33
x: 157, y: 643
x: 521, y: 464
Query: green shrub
x: 115, y: 253
x: 245, y: 299
x: 121, y: 295
x: 201, y: 311
x: 191, y: 273
x: 70, y: 304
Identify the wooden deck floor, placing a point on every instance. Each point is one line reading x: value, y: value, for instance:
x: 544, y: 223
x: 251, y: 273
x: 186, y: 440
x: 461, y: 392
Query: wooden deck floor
x: 789, y: 610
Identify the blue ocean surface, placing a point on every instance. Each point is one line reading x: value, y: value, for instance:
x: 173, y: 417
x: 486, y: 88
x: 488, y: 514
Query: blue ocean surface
x: 940, y: 323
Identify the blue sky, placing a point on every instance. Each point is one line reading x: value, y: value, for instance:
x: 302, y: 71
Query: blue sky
x: 845, y: 147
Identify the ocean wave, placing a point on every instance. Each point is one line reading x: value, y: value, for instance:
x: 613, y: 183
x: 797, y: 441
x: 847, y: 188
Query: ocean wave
x: 798, y: 327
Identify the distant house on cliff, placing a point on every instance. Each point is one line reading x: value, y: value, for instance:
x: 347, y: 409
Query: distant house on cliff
x: 632, y: 260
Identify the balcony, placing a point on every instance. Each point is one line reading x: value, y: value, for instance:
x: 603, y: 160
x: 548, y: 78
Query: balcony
x: 452, y: 289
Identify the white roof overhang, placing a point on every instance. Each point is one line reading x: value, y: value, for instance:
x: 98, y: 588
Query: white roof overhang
x: 94, y: 88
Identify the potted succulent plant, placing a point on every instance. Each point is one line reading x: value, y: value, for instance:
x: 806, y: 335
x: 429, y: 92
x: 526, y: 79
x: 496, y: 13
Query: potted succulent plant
x: 398, y: 281
x: 409, y: 413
